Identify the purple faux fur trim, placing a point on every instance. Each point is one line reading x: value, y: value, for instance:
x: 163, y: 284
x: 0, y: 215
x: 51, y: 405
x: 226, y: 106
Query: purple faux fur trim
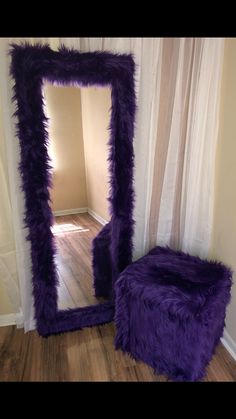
x: 30, y: 67
x: 170, y: 311
x: 102, y: 266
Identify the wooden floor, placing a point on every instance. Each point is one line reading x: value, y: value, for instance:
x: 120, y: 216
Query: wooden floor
x: 85, y: 355
x: 74, y: 235
x: 89, y: 354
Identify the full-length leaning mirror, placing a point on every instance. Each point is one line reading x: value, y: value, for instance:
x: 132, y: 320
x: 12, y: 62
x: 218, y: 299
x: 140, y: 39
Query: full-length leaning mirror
x: 40, y: 75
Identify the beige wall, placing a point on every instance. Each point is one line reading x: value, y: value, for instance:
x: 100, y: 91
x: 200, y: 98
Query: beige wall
x: 224, y: 231
x: 96, y: 103
x: 63, y: 106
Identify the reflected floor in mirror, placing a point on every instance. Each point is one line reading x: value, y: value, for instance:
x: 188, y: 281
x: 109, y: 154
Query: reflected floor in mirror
x: 74, y: 235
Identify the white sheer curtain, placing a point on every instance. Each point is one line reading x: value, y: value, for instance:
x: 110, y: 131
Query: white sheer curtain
x: 8, y: 268
x: 177, y: 87
x: 182, y: 196
x: 12, y: 243
x: 15, y: 261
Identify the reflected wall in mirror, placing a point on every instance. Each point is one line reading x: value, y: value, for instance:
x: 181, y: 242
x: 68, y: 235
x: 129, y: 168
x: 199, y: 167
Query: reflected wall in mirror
x: 34, y: 67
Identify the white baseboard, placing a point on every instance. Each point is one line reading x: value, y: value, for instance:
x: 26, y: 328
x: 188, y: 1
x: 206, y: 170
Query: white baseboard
x: 7, y: 319
x: 70, y: 211
x: 81, y: 211
x: 229, y: 344
x: 97, y: 217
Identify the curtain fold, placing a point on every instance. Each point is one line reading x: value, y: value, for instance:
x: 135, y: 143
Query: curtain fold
x: 178, y: 92
x: 181, y: 209
x: 8, y: 267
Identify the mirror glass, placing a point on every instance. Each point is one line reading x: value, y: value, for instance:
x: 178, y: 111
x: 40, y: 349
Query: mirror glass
x: 78, y: 120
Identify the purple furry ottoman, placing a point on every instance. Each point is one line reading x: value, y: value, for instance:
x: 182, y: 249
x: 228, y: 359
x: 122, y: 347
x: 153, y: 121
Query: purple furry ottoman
x: 170, y: 311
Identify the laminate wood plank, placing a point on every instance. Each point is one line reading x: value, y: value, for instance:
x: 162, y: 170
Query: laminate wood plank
x: 73, y: 236
x: 222, y: 366
x: 85, y: 355
x: 65, y: 299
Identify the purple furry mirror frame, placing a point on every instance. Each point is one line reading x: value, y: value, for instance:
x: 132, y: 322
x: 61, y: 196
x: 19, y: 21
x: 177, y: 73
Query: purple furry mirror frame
x: 112, y: 248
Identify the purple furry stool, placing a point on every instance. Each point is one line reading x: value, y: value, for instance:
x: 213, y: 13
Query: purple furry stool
x: 170, y: 311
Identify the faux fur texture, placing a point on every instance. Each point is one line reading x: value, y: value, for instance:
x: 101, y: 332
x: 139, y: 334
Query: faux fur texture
x: 102, y: 265
x: 170, y: 311
x: 31, y: 66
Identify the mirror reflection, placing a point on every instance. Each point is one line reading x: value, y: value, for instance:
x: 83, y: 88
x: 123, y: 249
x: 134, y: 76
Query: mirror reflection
x: 78, y: 148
